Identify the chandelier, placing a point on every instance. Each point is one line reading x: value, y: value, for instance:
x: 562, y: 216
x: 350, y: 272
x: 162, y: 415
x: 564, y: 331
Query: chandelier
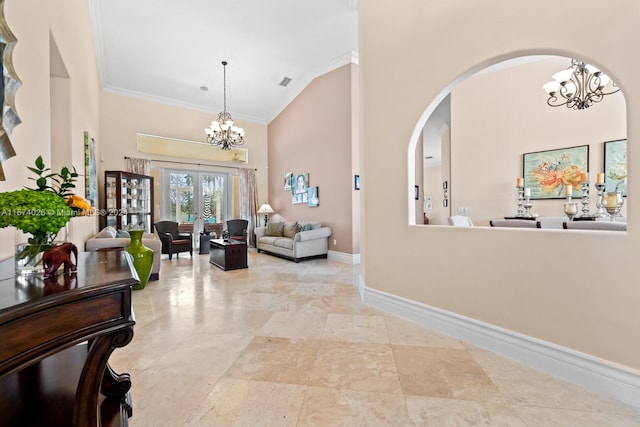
x: 222, y: 131
x: 579, y: 86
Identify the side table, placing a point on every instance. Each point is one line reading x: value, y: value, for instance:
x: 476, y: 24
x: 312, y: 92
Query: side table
x: 204, y: 243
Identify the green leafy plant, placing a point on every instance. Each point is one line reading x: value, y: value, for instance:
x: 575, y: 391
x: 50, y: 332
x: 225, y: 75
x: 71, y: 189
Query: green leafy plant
x: 60, y: 183
x: 40, y: 211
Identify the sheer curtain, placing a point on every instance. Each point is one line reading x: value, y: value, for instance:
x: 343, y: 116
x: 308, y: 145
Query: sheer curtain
x: 249, y: 201
x: 139, y: 166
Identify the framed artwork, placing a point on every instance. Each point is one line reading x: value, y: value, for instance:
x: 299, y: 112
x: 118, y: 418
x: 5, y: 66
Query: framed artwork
x: 356, y: 182
x: 547, y: 173
x: 288, y: 181
x: 615, y: 165
x: 90, y: 173
x: 299, y: 189
x: 312, y: 196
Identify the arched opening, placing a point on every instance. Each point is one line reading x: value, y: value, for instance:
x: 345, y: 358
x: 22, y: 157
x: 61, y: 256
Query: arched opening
x: 491, y: 127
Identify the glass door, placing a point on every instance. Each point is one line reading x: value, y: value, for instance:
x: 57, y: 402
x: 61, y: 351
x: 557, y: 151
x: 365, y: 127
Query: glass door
x: 193, y: 198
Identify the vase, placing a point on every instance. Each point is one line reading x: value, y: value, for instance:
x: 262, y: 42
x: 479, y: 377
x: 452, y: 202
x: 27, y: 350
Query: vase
x: 28, y: 258
x: 142, y: 258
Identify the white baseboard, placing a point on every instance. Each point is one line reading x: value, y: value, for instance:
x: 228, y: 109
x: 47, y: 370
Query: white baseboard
x: 344, y: 257
x: 619, y: 382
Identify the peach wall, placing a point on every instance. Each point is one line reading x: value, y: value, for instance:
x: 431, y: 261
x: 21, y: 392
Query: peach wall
x: 36, y: 24
x: 313, y: 134
x: 517, y: 280
x: 355, y: 158
x: 124, y: 117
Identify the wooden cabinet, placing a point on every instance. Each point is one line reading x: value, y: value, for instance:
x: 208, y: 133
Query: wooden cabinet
x: 228, y: 255
x: 128, y: 199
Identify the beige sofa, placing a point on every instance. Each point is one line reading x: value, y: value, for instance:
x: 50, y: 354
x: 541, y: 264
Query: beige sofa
x: 294, y: 240
x: 108, y: 238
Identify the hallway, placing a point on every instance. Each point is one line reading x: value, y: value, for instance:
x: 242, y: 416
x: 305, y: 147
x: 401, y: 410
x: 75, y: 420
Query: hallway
x: 286, y: 344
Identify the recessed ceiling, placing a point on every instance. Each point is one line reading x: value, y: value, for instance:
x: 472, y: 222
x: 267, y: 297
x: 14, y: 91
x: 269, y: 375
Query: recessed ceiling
x: 165, y: 51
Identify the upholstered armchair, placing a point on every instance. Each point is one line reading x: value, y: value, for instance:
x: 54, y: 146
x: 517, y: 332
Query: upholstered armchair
x: 237, y: 229
x: 173, y: 242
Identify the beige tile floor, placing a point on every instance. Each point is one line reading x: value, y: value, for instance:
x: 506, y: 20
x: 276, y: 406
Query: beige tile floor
x: 286, y: 344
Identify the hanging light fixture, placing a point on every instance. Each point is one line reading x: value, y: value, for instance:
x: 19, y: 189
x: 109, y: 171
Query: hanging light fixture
x: 579, y: 86
x: 222, y: 131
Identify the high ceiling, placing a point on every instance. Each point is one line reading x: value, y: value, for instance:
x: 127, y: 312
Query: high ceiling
x: 165, y: 51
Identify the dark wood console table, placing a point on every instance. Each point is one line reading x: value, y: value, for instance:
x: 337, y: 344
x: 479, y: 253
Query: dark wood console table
x: 57, y: 336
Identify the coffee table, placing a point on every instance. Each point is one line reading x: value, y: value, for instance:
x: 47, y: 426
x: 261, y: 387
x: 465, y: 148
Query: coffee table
x: 228, y: 254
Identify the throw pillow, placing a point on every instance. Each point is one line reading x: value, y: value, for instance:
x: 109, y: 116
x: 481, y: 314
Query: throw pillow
x: 122, y: 233
x: 290, y: 229
x: 107, y: 233
x: 274, y: 229
x: 306, y: 227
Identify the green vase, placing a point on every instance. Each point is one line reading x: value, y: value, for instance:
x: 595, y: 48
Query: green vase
x: 142, y: 257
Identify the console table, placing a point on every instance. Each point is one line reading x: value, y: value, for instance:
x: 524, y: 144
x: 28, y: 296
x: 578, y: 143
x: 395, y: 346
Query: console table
x: 228, y: 254
x: 57, y: 336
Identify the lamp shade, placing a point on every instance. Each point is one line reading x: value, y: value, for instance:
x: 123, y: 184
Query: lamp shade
x: 265, y: 209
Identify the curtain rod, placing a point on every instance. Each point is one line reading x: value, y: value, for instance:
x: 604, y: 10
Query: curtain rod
x: 189, y: 163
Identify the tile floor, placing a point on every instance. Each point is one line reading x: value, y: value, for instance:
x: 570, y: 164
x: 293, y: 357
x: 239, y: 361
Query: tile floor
x: 286, y: 344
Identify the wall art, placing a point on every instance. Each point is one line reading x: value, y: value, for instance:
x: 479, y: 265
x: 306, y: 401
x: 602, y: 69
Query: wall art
x: 548, y: 173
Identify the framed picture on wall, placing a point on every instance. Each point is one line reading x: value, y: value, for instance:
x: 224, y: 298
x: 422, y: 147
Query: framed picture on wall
x: 312, y: 196
x: 299, y: 188
x: 288, y: 181
x: 548, y: 173
x: 615, y: 165
x: 356, y: 182
x: 90, y: 172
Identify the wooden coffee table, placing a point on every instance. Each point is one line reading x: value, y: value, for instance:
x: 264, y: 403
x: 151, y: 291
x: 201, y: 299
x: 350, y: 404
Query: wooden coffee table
x: 228, y: 254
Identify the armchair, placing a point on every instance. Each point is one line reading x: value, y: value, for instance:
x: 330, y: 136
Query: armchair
x: 173, y: 242
x: 237, y: 229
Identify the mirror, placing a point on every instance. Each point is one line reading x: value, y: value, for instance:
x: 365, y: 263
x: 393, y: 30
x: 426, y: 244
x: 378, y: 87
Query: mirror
x: 8, y: 87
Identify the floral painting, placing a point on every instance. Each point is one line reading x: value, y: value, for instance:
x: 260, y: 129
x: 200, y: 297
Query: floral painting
x: 548, y: 173
x: 615, y: 165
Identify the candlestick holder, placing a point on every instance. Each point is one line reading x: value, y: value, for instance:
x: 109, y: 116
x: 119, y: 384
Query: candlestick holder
x: 521, y: 210
x: 601, y: 212
x: 570, y: 208
x: 527, y: 206
x: 584, y: 186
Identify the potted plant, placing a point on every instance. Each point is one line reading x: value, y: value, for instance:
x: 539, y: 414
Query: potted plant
x: 40, y: 212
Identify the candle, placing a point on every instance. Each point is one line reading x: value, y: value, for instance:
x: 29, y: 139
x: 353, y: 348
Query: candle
x: 600, y: 179
x: 520, y: 182
x: 571, y: 209
x: 569, y: 190
x: 527, y: 192
x: 584, y: 177
x: 611, y: 200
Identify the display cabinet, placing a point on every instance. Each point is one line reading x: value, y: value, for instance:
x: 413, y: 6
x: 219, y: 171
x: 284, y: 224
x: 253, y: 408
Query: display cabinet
x: 128, y: 200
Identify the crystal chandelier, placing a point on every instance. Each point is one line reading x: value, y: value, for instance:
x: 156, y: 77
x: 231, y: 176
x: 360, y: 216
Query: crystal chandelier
x: 222, y: 131
x: 579, y: 86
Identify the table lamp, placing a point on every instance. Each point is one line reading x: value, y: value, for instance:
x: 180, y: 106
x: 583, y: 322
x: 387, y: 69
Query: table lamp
x: 265, y: 209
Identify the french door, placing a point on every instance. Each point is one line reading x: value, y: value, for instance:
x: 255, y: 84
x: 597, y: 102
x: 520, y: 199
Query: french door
x: 195, y: 197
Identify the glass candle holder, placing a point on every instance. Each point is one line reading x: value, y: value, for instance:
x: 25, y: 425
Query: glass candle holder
x: 570, y: 210
x: 612, y: 202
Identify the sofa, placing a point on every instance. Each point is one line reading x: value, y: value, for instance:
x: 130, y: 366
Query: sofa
x: 111, y: 239
x: 294, y: 240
